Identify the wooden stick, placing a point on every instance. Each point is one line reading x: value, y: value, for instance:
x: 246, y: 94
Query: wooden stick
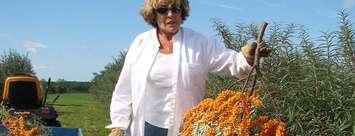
x: 256, y: 58
x: 257, y: 54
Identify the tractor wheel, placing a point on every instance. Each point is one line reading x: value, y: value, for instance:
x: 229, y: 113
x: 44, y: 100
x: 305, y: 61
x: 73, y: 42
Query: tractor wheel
x: 53, y: 123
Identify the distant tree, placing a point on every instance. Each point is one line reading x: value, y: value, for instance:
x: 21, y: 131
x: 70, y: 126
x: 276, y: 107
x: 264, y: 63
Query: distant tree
x: 104, y: 82
x: 12, y: 62
x: 59, y: 86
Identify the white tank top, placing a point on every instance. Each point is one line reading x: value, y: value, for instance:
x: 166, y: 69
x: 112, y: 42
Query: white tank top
x: 159, y: 97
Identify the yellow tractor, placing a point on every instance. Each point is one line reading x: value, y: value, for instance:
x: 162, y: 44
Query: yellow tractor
x: 24, y: 93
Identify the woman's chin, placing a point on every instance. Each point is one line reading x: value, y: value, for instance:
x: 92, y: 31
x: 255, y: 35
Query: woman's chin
x: 173, y: 30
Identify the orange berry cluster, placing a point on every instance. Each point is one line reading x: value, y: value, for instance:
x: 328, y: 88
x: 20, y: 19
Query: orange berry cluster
x: 16, y: 125
x: 230, y: 114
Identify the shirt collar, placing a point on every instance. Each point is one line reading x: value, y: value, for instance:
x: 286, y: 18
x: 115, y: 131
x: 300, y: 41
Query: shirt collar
x: 176, y: 37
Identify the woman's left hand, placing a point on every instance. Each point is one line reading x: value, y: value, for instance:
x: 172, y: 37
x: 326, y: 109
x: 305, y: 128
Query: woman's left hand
x: 248, y: 51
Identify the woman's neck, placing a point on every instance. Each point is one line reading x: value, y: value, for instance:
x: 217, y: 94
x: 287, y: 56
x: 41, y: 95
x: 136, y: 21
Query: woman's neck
x: 166, y: 42
x: 165, y: 36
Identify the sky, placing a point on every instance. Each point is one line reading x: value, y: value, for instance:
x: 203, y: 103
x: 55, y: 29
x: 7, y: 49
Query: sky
x: 72, y: 39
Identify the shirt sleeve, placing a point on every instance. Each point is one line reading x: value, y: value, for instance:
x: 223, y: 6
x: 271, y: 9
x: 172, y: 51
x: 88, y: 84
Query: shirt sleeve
x: 226, y: 61
x: 121, y: 101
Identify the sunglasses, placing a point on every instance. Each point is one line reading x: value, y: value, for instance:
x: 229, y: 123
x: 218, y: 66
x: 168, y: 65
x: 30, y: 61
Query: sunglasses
x: 164, y: 10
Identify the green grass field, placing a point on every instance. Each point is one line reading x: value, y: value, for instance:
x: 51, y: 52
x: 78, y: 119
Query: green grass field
x: 81, y: 110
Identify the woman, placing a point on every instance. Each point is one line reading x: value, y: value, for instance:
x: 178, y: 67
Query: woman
x: 165, y: 71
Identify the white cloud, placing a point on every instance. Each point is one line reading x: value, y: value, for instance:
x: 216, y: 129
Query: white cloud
x: 4, y: 35
x: 348, y: 3
x: 221, y: 4
x: 32, y: 46
x: 84, y: 47
x: 273, y: 4
x: 229, y: 7
x: 37, y: 67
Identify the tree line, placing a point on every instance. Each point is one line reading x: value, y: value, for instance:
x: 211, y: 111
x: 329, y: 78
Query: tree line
x: 64, y: 86
x: 306, y: 81
x: 13, y: 62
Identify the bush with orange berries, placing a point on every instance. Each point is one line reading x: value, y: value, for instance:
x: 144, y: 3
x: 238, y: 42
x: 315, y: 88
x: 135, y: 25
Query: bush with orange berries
x: 21, y: 123
x: 230, y: 114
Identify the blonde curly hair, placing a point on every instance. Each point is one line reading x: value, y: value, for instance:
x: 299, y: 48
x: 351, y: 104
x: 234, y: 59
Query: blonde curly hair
x: 149, y: 14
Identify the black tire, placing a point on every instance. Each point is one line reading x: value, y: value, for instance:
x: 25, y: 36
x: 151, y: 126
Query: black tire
x: 53, y: 123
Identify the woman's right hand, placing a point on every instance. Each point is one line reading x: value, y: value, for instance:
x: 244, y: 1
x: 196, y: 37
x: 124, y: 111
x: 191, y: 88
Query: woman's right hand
x: 116, y: 132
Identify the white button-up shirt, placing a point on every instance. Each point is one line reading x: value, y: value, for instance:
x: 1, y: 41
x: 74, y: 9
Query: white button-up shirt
x: 194, y: 57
